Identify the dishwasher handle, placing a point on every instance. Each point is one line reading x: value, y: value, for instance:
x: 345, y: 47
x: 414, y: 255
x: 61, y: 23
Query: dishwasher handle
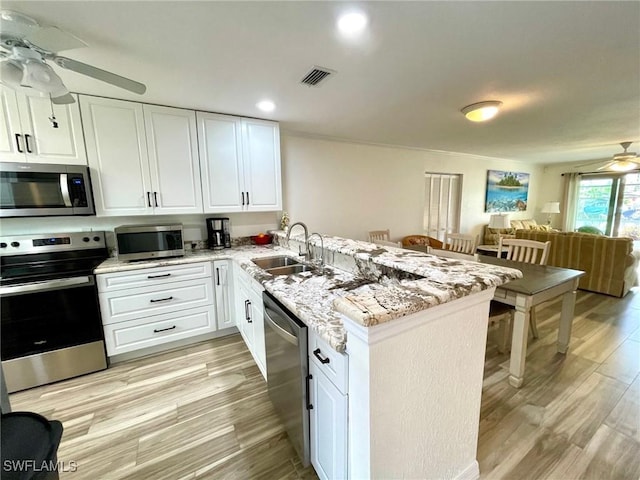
x: 281, y: 332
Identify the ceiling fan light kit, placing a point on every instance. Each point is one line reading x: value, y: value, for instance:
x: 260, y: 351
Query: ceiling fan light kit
x: 25, y: 48
x: 482, y: 111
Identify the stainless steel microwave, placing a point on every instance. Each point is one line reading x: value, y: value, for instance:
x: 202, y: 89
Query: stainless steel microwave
x: 145, y: 242
x: 41, y: 189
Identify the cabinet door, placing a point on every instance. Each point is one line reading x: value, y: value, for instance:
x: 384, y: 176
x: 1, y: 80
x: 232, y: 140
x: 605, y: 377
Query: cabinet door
x: 243, y: 312
x: 173, y: 159
x: 257, y: 317
x: 117, y: 154
x: 328, y: 426
x: 11, y: 136
x: 220, y: 146
x: 224, y: 295
x: 43, y: 142
x: 261, y: 162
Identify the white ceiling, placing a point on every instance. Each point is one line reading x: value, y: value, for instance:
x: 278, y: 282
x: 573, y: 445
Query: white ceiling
x: 567, y: 72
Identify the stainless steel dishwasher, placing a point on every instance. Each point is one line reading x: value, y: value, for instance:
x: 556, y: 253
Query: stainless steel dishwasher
x: 287, y: 372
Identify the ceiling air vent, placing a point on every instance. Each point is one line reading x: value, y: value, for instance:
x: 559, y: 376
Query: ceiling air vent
x: 316, y: 75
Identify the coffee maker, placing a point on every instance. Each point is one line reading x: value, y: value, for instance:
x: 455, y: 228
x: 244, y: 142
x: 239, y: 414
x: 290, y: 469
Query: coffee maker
x: 218, y: 233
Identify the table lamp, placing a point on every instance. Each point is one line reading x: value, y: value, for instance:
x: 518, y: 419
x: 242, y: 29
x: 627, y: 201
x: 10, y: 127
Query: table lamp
x: 550, y: 208
x: 499, y: 221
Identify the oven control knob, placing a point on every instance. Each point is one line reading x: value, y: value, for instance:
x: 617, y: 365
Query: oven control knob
x: 15, y: 244
x: 85, y: 239
x: 96, y: 239
x: 3, y: 245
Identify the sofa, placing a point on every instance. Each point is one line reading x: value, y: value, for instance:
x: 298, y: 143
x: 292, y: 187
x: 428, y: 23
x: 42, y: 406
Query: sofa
x: 609, y: 263
x: 491, y: 236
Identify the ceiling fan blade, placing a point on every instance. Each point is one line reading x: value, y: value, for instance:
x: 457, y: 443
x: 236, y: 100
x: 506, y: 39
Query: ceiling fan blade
x: 607, y: 165
x: 99, y: 74
x: 52, y: 39
x: 63, y: 100
x: 598, y: 162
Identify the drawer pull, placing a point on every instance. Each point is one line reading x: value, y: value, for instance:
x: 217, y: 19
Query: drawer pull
x: 156, y: 300
x: 316, y: 353
x: 158, y: 330
x: 159, y: 276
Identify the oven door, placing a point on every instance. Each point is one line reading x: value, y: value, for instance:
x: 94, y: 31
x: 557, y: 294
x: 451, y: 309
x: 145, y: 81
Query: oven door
x: 50, y: 315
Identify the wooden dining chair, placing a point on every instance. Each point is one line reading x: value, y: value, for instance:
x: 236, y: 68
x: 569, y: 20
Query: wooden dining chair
x: 527, y: 251
x: 453, y: 254
x: 379, y: 235
x: 459, y: 242
x: 518, y: 250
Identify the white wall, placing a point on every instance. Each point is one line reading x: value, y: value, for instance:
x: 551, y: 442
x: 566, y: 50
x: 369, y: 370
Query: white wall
x: 347, y: 189
x: 242, y: 224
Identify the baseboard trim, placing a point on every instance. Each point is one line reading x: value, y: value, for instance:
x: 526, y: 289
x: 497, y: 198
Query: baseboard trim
x: 472, y: 472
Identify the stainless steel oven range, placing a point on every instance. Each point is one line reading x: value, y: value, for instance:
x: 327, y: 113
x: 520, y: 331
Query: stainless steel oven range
x: 51, y: 326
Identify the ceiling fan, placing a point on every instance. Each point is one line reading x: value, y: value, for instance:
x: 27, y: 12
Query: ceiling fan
x: 621, y: 162
x: 25, y: 48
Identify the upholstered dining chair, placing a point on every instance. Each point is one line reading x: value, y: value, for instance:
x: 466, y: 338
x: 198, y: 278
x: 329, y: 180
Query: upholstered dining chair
x: 459, y: 242
x: 375, y: 235
x: 518, y: 250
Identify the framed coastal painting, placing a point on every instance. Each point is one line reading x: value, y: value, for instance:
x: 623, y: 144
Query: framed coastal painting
x: 506, y: 191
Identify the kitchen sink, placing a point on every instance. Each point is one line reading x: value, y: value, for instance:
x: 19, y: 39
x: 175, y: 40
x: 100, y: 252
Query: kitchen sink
x: 289, y: 270
x: 267, y: 263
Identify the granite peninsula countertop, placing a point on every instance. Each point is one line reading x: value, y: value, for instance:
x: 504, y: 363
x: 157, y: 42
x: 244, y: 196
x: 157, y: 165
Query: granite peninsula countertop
x: 369, y: 284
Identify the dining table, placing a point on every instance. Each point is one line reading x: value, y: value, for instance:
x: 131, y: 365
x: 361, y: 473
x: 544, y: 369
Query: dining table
x: 539, y: 283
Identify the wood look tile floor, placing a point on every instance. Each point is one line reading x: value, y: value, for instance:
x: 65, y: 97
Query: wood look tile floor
x: 203, y: 411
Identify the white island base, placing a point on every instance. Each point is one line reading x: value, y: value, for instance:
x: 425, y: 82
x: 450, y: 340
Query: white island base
x: 415, y: 387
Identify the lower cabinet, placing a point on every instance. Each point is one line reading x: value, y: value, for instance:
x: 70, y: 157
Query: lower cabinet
x: 152, y: 306
x: 329, y: 415
x: 223, y: 287
x: 249, y: 315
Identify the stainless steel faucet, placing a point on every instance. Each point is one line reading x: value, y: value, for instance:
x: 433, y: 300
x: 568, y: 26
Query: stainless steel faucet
x: 321, y: 263
x: 306, y: 239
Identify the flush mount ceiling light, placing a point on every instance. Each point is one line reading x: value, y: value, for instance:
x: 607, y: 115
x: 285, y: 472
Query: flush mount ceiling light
x: 482, y: 111
x: 352, y: 23
x: 266, y: 105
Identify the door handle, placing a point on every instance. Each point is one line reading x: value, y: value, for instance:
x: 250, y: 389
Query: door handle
x: 309, y: 405
x: 26, y: 143
x: 217, y: 276
x: 155, y: 198
x: 159, y: 276
x: 316, y: 353
x: 158, y: 330
x: 242, y: 197
x: 248, y: 198
x: 149, y: 199
x: 22, y: 151
x: 156, y: 300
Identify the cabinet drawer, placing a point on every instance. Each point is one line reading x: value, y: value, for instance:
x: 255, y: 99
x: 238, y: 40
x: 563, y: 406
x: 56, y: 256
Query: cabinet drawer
x: 146, y: 277
x: 126, y: 305
x: 335, y: 366
x: 147, y: 332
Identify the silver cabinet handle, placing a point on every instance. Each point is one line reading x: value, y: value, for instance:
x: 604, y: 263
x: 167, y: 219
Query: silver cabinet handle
x: 292, y: 339
x: 47, y: 285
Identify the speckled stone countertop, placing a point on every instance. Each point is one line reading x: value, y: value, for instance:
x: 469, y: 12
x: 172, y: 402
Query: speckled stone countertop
x: 369, y: 284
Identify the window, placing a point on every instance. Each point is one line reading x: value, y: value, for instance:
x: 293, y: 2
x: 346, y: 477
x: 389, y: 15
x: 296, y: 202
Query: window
x: 442, y: 204
x: 610, y: 203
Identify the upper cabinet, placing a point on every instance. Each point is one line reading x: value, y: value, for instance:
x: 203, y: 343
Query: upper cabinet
x: 144, y: 158
x: 240, y: 164
x: 27, y: 132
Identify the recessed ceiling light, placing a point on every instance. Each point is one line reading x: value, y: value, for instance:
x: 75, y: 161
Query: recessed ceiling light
x: 353, y: 23
x: 266, y: 105
x: 482, y: 111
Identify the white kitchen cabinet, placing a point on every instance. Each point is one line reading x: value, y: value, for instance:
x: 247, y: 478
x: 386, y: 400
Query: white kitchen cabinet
x: 240, y: 164
x: 223, y: 287
x: 328, y: 392
x: 153, y: 306
x: 144, y: 158
x: 249, y: 315
x: 27, y: 134
x: 328, y: 426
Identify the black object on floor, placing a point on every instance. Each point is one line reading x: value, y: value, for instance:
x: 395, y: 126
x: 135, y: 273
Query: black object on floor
x: 29, y: 446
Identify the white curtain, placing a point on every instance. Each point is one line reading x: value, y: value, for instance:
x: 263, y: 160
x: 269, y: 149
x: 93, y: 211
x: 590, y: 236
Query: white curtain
x: 442, y: 204
x: 570, y: 200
